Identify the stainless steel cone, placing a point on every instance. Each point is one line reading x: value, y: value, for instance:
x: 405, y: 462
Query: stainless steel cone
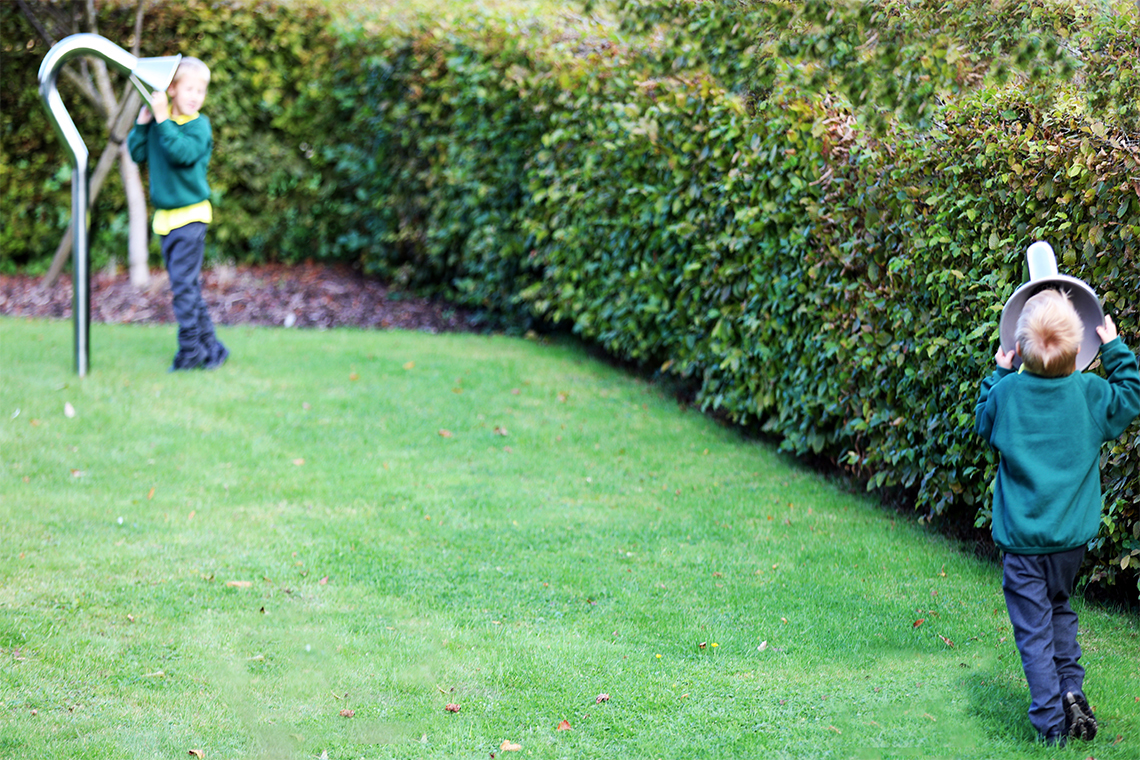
x: 154, y: 74
x: 1043, y: 276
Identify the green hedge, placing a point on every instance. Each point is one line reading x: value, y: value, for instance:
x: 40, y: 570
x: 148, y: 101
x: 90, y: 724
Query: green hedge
x: 840, y: 292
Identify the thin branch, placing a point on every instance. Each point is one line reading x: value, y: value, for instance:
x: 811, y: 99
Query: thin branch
x: 86, y: 88
x: 78, y: 80
x: 137, y: 46
x: 92, y: 20
x: 106, y: 90
x: 102, y: 78
x: 35, y: 22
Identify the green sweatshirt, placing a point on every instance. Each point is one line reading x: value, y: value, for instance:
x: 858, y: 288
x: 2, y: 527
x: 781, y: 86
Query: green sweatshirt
x: 1049, y: 431
x: 178, y: 155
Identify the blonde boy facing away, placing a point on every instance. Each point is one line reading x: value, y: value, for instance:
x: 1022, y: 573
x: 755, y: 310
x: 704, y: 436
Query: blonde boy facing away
x: 176, y: 141
x: 1048, y: 423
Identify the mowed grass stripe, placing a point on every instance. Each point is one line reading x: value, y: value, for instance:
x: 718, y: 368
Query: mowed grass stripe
x: 412, y: 520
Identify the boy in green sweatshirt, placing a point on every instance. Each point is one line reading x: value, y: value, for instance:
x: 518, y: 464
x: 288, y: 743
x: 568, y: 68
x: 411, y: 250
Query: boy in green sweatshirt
x: 176, y: 141
x: 1048, y: 422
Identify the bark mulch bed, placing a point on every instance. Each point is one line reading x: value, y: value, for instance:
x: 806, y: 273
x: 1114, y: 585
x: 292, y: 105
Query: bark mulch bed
x: 295, y: 296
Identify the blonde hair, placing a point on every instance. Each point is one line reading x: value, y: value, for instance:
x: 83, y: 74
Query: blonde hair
x: 193, y: 67
x: 1049, y: 334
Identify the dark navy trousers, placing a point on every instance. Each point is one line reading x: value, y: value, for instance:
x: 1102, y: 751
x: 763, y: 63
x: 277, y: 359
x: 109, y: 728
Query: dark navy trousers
x: 183, y: 250
x: 1037, y: 589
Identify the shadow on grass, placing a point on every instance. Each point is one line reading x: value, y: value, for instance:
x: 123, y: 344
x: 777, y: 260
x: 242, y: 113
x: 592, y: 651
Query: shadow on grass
x: 1001, y: 707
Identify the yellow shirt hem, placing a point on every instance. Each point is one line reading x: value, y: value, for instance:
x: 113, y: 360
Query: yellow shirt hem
x: 169, y: 219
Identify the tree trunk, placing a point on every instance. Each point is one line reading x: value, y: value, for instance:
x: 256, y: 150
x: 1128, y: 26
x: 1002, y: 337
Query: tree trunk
x: 137, y: 249
x: 137, y: 241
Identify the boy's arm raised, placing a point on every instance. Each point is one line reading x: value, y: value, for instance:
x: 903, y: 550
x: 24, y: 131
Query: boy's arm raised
x: 983, y: 412
x: 1122, y: 396
x: 136, y: 142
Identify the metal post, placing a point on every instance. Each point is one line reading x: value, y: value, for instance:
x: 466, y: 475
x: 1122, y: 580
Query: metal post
x: 154, y: 73
x: 81, y: 266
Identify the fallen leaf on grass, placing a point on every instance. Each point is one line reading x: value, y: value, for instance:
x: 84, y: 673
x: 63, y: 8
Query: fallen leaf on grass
x: 150, y: 494
x: 298, y: 462
x: 324, y: 581
x: 1119, y: 739
x: 196, y: 753
x: 68, y: 410
x: 762, y: 647
x: 500, y: 431
x: 509, y: 746
x: 444, y: 433
x: 347, y: 713
x: 919, y: 622
x: 947, y: 641
x: 603, y: 697
x: 833, y: 728
x: 451, y: 707
x: 354, y: 376
x: 564, y: 726
x: 239, y: 584
x: 409, y: 365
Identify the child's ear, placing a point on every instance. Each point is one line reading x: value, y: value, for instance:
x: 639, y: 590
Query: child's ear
x: 1017, y: 349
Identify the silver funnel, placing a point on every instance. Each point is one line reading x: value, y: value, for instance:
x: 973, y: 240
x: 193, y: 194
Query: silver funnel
x: 1043, y: 276
x: 147, y: 75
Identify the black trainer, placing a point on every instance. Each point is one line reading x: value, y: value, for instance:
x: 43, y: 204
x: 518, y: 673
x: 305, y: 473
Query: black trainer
x: 184, y: 361
x: 218, y: 357
x: 1082, y: 722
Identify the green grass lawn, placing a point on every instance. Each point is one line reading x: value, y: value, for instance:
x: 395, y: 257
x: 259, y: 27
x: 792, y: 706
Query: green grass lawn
x: 390, y: 522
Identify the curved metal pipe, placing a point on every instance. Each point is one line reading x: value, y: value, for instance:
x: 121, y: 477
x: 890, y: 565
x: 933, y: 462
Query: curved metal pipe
x: 61, y: 53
